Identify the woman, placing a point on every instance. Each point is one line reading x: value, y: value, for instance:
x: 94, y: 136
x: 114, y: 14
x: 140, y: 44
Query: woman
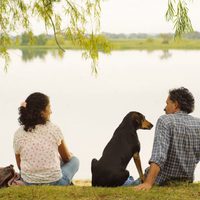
x: 41, y: 154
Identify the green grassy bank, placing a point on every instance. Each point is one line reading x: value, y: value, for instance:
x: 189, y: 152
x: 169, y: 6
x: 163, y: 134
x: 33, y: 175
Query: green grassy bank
x: 183, y: 192
x: 154, y: 44
x: 126, y: 44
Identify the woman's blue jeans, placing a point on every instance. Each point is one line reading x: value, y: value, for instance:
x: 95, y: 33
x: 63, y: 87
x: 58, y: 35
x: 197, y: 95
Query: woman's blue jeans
x: 69, y: 169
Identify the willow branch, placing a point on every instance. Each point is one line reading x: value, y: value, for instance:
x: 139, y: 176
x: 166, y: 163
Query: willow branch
x: 54, y: 28
x: 55, y: 35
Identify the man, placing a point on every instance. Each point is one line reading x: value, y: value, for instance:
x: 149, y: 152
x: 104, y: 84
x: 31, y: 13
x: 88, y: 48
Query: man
x: 176, y: 148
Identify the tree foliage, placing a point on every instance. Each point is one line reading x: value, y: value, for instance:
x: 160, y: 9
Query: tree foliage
x: 72, y: 19
x: 177, y: 12
x: 79, y: 20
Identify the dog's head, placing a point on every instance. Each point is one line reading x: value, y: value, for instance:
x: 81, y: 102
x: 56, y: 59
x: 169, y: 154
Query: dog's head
x: 139, y: 121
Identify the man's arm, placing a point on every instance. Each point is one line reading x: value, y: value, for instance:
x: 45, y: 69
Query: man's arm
x: 159, y: 153
x: 151, y: 177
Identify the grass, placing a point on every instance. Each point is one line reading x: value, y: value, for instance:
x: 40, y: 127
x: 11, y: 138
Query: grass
x: 174, y: 192
x: 153, y: 44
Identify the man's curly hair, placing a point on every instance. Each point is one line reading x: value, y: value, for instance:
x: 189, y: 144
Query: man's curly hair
x: 184, y: 98
x: 31, y: 114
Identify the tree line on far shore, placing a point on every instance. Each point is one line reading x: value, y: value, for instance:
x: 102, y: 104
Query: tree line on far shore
x: 44, y: 39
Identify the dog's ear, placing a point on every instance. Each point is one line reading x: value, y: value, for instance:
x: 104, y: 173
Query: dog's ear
x: 132, y: 120
x: 127, y: 121
x: 137, y: 119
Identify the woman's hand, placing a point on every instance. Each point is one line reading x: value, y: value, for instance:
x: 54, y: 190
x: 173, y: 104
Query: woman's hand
x: 64, y: 152
x: 18, y: 161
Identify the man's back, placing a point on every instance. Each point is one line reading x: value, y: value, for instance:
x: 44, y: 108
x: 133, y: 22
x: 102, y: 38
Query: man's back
x: 176, y: 147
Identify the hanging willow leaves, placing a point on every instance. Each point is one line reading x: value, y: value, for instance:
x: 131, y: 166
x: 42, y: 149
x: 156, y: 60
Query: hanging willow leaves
x: 177, y: 12
x: 78, y: 14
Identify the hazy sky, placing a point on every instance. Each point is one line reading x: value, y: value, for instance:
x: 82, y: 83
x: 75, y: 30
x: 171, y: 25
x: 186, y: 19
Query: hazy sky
x: 146, y: 16
x: 137, y: 16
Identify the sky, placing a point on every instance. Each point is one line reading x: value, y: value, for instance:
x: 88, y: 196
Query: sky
x: 138, y: 16
x: 142, y: 16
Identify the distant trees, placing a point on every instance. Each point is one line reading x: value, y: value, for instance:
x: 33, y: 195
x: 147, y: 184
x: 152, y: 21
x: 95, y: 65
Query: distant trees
x: 193, y: 35
x: 41, y: 39
x: 166, y: 37
x: 29, y: 38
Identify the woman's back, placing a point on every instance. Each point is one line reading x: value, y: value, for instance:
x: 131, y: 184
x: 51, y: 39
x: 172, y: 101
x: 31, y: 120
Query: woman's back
x: 38, y: 149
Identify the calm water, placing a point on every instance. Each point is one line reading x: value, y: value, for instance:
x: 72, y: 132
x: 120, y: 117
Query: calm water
x: 87, y: 108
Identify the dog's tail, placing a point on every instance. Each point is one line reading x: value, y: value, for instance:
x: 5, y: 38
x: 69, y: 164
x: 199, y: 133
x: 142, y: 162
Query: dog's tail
x: 93, y: 164
x: 94, y: 171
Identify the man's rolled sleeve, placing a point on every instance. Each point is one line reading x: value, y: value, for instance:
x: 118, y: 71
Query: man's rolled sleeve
x: 161, y: 142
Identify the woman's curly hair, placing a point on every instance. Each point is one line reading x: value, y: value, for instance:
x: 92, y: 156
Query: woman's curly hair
x: 184, y: 98
x: 31, y: 114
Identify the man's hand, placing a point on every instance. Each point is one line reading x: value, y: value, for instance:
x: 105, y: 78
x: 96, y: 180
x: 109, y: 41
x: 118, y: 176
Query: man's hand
x: 143, y: 186
x: 151, y: 177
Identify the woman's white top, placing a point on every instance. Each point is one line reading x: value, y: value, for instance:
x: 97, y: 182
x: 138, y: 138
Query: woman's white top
x: 38, y: 149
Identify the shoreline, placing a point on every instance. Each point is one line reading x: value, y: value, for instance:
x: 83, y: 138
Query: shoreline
x: 87, y: 182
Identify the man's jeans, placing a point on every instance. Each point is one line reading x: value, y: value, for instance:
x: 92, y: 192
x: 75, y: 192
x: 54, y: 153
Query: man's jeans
x: 131, y: 182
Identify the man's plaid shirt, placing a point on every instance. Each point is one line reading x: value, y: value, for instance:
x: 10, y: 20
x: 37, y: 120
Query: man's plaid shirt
x: 176, y: 147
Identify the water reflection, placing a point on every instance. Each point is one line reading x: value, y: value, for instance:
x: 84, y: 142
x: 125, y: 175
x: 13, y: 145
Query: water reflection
x: 31, y: 54
x: 165, y: 54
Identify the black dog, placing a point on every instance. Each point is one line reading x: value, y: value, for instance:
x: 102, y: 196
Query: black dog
x: 110, y: 169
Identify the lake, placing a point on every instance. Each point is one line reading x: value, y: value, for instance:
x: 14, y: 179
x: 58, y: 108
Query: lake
x: 89, y: 108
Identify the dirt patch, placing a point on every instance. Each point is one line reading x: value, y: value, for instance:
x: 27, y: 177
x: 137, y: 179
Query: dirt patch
x: 82, y: 182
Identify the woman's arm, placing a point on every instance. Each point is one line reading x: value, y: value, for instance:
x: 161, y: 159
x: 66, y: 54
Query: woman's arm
x: 18, y: 160
x: 64, y: 152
